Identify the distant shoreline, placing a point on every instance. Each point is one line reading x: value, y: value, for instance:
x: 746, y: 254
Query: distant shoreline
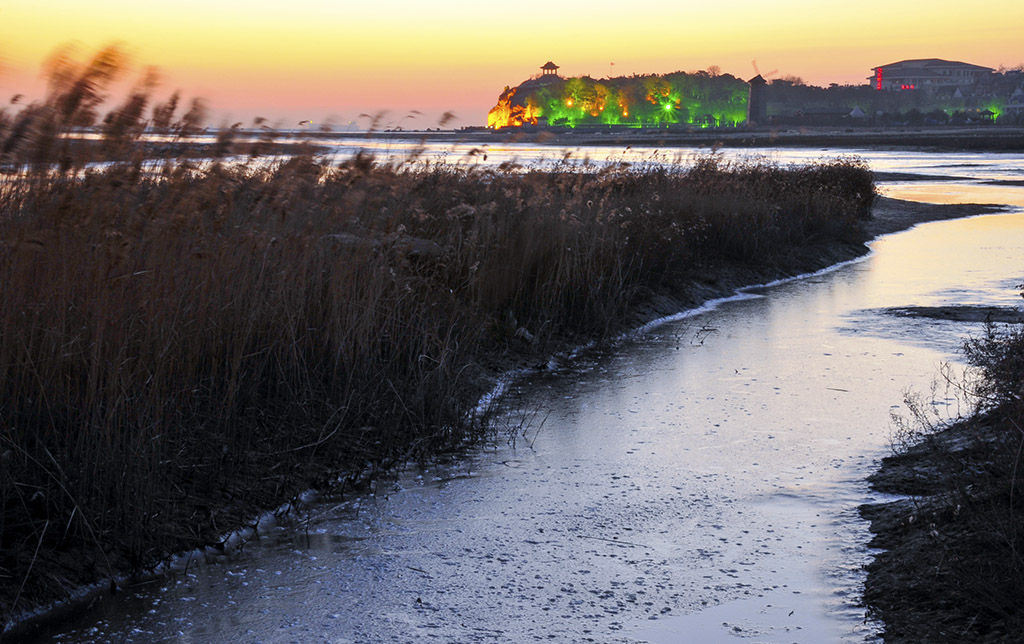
x: 290, y: 143
x: 982, y: 138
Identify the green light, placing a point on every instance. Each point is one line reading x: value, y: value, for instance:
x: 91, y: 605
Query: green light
x: 996, y: 107
x: 648, y: 101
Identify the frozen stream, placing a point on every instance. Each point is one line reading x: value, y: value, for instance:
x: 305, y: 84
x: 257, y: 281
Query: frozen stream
x: 698, y: 483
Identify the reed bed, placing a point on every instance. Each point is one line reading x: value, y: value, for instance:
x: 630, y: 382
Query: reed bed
x: 183, y: 344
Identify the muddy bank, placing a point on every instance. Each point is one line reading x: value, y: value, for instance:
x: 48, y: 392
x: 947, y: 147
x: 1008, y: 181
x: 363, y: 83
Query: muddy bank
x: 946, y: 571
x: 951, y: 568
x: 715, y: 281
x: 893, y: 215
x: 961, y: 313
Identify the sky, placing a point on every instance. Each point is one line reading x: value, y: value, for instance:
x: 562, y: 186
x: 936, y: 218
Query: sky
x: 329, y: 61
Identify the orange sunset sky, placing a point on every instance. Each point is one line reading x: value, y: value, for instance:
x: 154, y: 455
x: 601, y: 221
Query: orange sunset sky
x: 322, y: 60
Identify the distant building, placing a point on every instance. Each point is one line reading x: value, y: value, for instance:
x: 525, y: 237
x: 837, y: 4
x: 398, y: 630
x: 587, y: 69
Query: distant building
x: 549, y: 69
x: 757, y: 102
x: 926, y: 73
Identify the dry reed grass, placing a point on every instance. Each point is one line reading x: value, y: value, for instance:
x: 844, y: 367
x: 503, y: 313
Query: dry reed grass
x: 183, y: 346
x: 168, y: 339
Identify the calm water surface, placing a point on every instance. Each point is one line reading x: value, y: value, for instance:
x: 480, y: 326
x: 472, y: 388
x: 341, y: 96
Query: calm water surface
x: 698, y: 483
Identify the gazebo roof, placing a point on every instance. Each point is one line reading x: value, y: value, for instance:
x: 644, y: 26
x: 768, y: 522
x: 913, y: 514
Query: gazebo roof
x: 549, y: 65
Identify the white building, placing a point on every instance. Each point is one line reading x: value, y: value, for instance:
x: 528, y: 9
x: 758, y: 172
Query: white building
x: 926, y: 73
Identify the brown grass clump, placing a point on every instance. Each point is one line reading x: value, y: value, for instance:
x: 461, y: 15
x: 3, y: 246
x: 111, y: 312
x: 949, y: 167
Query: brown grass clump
x: 180, y: 346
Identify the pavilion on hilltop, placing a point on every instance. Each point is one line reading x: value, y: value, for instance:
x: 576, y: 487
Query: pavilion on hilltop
x: 549, y: 69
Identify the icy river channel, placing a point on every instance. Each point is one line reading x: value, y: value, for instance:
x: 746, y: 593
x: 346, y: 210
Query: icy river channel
x: 697, y: 482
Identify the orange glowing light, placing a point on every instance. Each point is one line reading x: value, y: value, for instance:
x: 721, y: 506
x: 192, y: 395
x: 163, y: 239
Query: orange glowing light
x: 501, y: 114
x: 505, y: 114
x: 532, y: 111
x: 624, y: 105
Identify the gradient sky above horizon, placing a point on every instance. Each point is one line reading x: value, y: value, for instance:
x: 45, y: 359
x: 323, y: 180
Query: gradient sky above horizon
x: 331, y: 60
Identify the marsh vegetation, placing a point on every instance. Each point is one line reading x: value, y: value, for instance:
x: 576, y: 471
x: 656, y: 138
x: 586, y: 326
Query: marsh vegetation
x: 184, y: 344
